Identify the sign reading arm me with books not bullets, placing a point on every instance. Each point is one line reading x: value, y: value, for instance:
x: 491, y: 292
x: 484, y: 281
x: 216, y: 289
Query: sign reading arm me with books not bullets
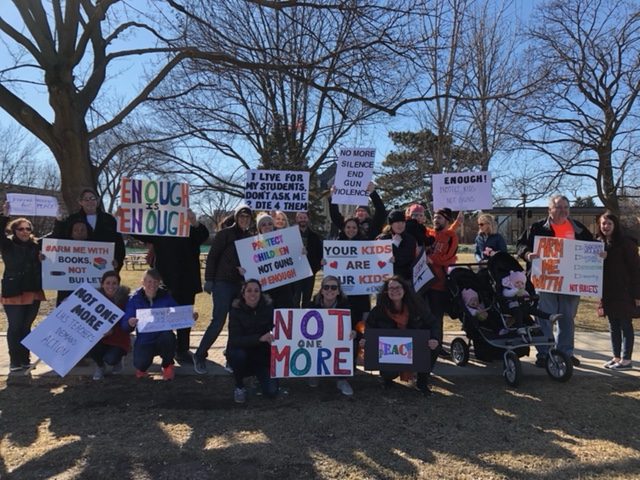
x: 274, y: 258
x: 277, y: 190
x: 69, y: 263
x: 361, y: 266
x: 572, y: 267
x: 462, y: 191
x: 154, y: 207
x: 353, y: 175
x: 311, y: 343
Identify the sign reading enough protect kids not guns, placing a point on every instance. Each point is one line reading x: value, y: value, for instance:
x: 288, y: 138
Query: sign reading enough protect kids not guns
x: 353, y: 175
x: 362, y: 267
x: 150, y: 207
x: 69, y: 263
x: 572, y: 267
x: 72, y: 329
x: 277, y: 190
x: 274, y: 258
x: 462, y: 191
x: 312, y: 343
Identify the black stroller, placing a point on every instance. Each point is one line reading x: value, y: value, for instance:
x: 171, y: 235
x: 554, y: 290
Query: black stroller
x: 494, y: 336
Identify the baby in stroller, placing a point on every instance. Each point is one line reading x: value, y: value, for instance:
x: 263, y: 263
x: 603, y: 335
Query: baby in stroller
x: 473, y: 304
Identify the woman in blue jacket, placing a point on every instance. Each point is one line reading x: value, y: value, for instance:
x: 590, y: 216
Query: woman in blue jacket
x: 488, y: 241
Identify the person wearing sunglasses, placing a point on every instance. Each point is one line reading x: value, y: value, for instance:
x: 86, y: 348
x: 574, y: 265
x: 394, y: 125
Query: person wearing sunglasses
x: 331, y: 295
x: 21, y: 292
x: 488, y: 242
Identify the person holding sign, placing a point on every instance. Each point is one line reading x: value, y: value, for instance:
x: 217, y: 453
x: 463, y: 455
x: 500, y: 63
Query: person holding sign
x: 370, y: 227
x: 404, y: 245
x: 488, y: 242
x: 302, y: 289
x: 102, y: 226
x: 78, y: 230
x: 281, y: 296
x: 150, y: 344
x: 557, y: 225
x: 250, y: 338
x: 331, y: 295
x: 117, y: 342
x: 280, y: 219
x: 21, y: 292
x: 399, y: 308
x: 621, y: 289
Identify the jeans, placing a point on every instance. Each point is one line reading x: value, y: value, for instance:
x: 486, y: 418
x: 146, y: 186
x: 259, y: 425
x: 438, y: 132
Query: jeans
x: 621, y: 337
x: 164, y: 345
x: 223, y: 294
x: 253, y: 361
x: 19, y: 319
x: 567, y: 305
x: 102, y: 353
x: 302, y: 290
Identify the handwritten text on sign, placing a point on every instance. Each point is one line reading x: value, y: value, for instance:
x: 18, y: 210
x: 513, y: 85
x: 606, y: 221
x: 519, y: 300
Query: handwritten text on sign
x: 69, y: 263
x: 72, y: 329
x: 33, y: 205
x: 354, y: 172
x: 277, y: 190
x: 274, y: 258
x: 422, y: 274
x: 311, y: 343
x: 361, y: 266
x: 462, y: 191
x: 572, y: 267
x: 150, y: 207
x: 163, y: 319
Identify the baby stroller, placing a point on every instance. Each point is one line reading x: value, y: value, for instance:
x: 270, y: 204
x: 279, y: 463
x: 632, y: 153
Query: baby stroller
x: 494, y: 337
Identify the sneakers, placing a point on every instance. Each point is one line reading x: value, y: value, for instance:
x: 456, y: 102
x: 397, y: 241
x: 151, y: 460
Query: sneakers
x: 610, y: 363
x: 15, y: 368
x: 199, y: 365
x: 168, y: 372
x: 141, y: 374
x: 117, y: 368
x: 313, y: 382
x: 621, y: 366
x: 555, y: 317
x: 240, y: 395
x: 575, y: 361
x: 344, y: 387
x: 98, y: 374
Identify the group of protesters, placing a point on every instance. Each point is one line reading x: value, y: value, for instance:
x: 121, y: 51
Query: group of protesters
x: 175, y: 279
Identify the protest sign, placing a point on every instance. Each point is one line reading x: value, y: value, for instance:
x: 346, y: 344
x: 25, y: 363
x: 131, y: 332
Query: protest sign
x: 162, y: 319
x: 63, y: 338
x: 311, y: 343
x: 361, y: 266
x: 462, y: 191
x: 69, y: 263
x: 353, y: 174
x: 154, y: 207
x: 571, y: 267
x: 277, y: 190
x: 32, y: 205
x: 422, y: 273
x: 274, y: 258
x: 396, y: 350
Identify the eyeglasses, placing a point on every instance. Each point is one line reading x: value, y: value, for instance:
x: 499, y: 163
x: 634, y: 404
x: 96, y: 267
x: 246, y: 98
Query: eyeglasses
x: 330, y: 287
x: 23, y: 229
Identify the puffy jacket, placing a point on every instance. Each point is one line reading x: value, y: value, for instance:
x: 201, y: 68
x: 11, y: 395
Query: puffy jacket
x: 222, y: 260
x: 247, y: 325
x: 21, y: 260
x: 139, y: 301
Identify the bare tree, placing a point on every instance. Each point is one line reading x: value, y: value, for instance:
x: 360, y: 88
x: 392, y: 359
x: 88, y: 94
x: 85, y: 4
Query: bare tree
x: 586, y: 115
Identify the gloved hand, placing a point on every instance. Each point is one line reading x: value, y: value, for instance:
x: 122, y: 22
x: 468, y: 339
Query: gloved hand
x: 208, y: 286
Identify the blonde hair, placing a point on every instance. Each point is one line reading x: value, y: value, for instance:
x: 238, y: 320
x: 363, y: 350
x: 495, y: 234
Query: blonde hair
x: 488, y: 219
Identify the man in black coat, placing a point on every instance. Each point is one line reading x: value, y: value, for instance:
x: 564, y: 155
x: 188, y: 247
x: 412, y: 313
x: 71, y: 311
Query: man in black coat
x: 302, y: 289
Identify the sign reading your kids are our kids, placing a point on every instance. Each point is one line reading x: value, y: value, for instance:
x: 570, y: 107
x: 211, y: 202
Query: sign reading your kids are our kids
x: 571, y: 267
x: 353, y: 175
x: 69, y: 263
x: 462, y: 191
x: 154, y: 207
x: 311, y: 343
x: 361, y: 266
x: 277, y: 190
x: 274, y: 258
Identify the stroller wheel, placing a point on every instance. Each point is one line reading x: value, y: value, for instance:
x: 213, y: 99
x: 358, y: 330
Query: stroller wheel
x: 559, y: 366
x: 459, y: 351
x: 512, y: 368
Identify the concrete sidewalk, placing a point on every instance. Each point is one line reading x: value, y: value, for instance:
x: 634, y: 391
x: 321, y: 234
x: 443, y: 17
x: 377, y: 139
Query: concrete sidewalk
x: 592, y: 348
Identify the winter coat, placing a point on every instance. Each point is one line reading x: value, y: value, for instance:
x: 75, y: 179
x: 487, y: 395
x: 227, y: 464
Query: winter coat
x: 371, y: 227
x: 621, y: 279
x: 247, y: 325
x: 140, y: 301
x: 313, y: 244
x: 378, y: 318
x: 22, y: 268
x: 404, y: 254
x: 494, y: 241
x: 119, y: 336
x: 222, y: 260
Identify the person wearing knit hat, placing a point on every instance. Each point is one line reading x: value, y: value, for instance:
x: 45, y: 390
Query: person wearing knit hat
x: 264, y: 219
x: 416, y: 212
x: 223, y: 279
x: 446, y: 213
x: 404, y: 245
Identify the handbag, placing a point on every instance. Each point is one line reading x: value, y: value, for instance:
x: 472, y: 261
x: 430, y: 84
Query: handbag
x: 11, y: 286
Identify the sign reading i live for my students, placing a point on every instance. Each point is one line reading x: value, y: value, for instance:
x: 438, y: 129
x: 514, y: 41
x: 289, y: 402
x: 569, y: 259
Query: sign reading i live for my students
x: 312, y: 343
x: 154, y: 207
x: 277, y: 190
x: 572, y: 267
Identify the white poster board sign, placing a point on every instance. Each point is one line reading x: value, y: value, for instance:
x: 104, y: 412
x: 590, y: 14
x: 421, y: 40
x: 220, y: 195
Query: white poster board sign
x: 154, y: 207
x: 422, y: 274
x: 32, y: 205
x: 70, y: 263
x: 283, y: 190
x: 462, y: 191
x: 275, y: 258
x: 311, y: 343
x: 72, y: 329
x: 353, y: 175
x: 571, y: 267
x: 163, y: 319
x: 361, y: 266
